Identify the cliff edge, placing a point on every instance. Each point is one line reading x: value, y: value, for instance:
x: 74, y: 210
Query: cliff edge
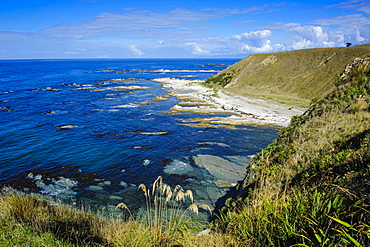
x: 311, y: 186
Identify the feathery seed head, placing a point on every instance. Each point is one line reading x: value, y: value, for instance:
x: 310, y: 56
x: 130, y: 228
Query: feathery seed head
x: 177, y: 188
x: 193, y: 208
x: 143, y: 188
x: 180, y: 195
x: 168, y: 195
x: 189, y: 194
x: 122, y: 205
x: 206, y: 207
x: 157, y: 184
x: 166, y: 190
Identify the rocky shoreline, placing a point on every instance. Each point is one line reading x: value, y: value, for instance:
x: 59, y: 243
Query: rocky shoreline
x: 245, y: 110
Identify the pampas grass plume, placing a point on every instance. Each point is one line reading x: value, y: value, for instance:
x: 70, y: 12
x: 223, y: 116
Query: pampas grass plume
x: 189, y: 194
x: 180, y: 195
x: 193, y: 208
x: 122, y: 205
x: 206, y: 207
x: 143, y: 188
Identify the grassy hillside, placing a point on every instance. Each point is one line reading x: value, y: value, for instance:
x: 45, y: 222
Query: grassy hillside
x: 312, y: 185
x: 289, y: 77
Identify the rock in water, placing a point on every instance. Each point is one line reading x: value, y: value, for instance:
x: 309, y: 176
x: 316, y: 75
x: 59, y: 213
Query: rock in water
x: 65, y: 127
x: 220, y: 168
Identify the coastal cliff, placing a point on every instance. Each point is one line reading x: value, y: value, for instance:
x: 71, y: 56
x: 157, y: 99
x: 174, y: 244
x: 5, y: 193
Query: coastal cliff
x: 311, y: 186
x: 293, y: 77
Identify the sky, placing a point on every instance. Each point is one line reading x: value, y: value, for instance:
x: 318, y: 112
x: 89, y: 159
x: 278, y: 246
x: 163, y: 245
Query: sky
x: 67, y: 29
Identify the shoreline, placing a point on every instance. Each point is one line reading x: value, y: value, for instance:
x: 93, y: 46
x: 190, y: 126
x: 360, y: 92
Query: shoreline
x: 253, y: 110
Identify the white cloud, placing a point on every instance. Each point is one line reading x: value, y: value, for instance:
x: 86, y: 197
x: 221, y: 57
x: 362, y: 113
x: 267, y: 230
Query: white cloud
x: 266, y: 47
x: 255, y: 41
x: 136, y: 50
x: 196, y: 49
x: 353, y: 28
x: 325, y: 34
x: 236, y: 45
x: 302, y: 44
x: 254, y: 35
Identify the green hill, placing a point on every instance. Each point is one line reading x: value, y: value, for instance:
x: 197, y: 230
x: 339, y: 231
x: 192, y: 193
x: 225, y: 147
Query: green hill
x: 293, y: 77
x: 311, y: 187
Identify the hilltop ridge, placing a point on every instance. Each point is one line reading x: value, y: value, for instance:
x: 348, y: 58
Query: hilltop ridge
x: 293, y: 77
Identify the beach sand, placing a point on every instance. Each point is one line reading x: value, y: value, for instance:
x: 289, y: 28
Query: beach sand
x: 194, y: 97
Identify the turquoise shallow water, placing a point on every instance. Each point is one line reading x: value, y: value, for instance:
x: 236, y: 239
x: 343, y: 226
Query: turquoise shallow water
x: 69, y: 131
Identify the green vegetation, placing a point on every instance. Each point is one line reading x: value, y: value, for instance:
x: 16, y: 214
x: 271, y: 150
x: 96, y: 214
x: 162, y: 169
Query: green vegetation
x: 310, y: 187
x: 29, y: 220
x: 221, y: 79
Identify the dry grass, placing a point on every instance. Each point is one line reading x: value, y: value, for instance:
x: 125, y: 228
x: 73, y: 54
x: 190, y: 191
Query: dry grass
x: 294, y: 77
x: 166, y: 211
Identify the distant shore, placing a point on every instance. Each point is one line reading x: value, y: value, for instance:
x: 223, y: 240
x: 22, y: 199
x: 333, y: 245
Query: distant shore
x: 245, y: 110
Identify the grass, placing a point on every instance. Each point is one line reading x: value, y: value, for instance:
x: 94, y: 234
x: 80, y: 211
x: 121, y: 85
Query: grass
x: 61, y: 225
x: 15, y: 234
x: 165, y: 214
x: 311, y: 187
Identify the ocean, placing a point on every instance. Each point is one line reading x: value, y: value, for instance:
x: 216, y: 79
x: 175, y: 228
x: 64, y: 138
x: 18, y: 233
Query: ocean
x: 90, y: 131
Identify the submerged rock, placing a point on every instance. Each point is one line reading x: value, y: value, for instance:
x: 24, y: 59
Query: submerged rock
x: 105, y: 70
x: 65, y: 127
x: 223, y: 183
x: 51, y: 89
x: 123, y: 184
x: 146, y: 162
x: 158, y: 133
x: 61, y: 187
x: 94, y: 188
x: 220, y: 168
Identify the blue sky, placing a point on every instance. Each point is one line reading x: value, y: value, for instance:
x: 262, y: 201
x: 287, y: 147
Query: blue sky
x: 176, y: 29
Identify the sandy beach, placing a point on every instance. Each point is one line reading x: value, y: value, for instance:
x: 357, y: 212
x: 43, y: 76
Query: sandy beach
x: 197, y: 98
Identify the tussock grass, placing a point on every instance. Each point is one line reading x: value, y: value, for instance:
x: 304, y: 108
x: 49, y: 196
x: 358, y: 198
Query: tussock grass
x: 311, y: 186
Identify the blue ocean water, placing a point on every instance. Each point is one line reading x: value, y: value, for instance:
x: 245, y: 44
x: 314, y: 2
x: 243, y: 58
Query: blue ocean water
x: 66, y: 125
